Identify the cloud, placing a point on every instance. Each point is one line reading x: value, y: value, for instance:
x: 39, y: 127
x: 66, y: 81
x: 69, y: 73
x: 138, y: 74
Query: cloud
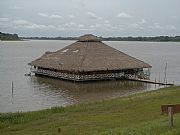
x: 4, y: 19
x: 104, y: 25
x: 81, y: 25
x: 170, y: 27
x: 93, y: 16
x: 53, y: 16
x: 124, y: 15
x: 135, y: 26
x: 71, y: 26
x: 143, y: 21
x: 71, y: 16
x: 94, y: 26
x: 15, y: 7
x: 24, y: 24
x: 106, y: 21
x: 21, y: 22
x: 4, y: 23
x: 43, y: 14
x: 28, y: 25
x: 157, y: 25
x: 40, y: 26
x: 100, y: 22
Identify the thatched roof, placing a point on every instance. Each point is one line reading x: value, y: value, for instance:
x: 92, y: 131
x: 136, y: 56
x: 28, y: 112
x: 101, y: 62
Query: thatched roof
x: 88, y: 54
x: 89, y: 38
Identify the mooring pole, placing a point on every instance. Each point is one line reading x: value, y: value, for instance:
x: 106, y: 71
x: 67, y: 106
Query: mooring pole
x: 165, y: 73
x: 170, y: 115
x: 12, y: 90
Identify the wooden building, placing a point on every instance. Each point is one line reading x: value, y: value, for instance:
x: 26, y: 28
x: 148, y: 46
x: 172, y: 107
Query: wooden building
x: 90, y: 59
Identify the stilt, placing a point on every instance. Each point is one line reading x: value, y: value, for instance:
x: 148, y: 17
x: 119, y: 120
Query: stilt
x: 12, y: 88
x: 165, y: 73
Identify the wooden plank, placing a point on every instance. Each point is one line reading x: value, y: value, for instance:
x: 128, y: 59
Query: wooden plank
x: 175, y: 108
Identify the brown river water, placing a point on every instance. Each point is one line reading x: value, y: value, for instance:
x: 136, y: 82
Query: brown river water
x: 35, y: 92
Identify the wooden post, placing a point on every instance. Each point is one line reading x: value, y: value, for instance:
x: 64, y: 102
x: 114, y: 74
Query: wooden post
x: 12, y: 90
x: 170, y: 115
x: 165, y: 73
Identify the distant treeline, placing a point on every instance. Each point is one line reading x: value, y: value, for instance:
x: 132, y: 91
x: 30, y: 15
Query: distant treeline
x: 51, y: 38
x: 7, y: 36
x: 156, y: 39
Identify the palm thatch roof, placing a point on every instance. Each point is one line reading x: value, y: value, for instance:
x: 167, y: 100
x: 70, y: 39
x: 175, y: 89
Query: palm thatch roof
x: 88, y: 54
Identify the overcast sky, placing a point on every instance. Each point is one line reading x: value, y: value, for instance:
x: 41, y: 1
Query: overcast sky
x: 99, y: 17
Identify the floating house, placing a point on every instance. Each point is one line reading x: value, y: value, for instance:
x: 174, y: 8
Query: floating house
x: 90, y: 59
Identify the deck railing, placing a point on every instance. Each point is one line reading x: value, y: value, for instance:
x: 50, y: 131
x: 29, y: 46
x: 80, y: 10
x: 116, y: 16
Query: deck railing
x: 87, y: 77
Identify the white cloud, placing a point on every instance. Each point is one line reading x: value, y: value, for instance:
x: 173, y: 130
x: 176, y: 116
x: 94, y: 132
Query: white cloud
x: 16, y: 7
x: 170, y: 27
x: 94, y: 16
x: 21, y: 22
x: 143, y: 21
x: 157, y: 26
x: 81, y: 26
x: 100, y: 22
x: 53, y: 16
x: 94, y: 26
x: 109, y: 26
x: 135, y: 25
x: 124, y: 15
x: 105, y: 25
x: 106, y: 21
x: 4, y: 19
x: 70, y: 25
x: 91, y: 14
x: 71, y: 16
x: 24, y: 24
x: 43, y: 14
x: 40, y: 26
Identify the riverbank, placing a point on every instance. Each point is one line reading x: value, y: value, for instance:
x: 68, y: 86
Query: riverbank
x: 138, y: 114
x: 144, y: 39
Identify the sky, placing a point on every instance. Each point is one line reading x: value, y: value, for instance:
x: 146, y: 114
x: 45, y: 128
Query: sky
x: 107, y: 18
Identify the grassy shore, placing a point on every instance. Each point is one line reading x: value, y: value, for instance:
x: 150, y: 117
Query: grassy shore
x: 138, y: 114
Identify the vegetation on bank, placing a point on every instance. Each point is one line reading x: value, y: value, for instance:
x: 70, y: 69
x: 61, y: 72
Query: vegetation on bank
x: 137, y: 114
x: 155, y: 39
x: 8, y: 37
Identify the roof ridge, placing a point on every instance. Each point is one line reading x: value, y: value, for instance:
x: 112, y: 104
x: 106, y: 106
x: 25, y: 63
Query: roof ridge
x: 84, y: 55
x: 89, y: 37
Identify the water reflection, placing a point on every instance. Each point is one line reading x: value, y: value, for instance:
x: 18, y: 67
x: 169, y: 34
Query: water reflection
x: 72, y: 93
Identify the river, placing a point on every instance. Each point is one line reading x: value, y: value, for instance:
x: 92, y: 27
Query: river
x: 34, y: 93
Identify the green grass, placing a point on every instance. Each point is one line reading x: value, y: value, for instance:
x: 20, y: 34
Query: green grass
x: 138, y: 114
